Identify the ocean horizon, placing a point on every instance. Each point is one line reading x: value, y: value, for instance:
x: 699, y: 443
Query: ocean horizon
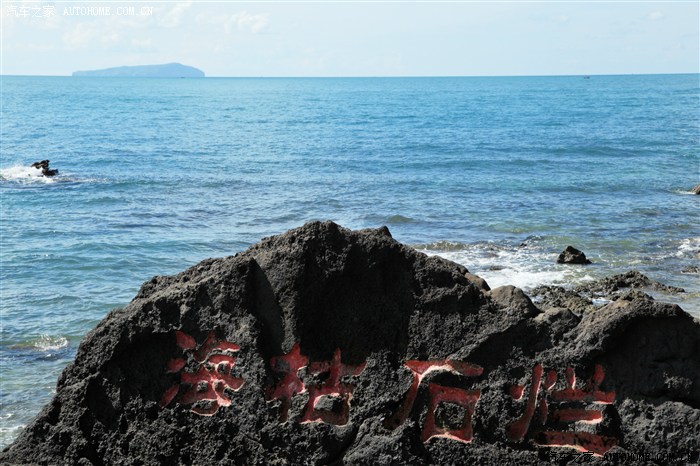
x: 581, y: 75
x: 498, y: 174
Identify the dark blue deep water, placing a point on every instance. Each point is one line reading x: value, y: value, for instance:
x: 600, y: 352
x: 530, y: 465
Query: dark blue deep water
x: 499, y: 174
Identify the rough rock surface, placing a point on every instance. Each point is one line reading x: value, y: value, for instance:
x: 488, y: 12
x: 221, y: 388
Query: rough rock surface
x: 558, y: 297
x: 632, y: 279
x: 571, y: 255
x: 330, y: 346
x: 478, y: 281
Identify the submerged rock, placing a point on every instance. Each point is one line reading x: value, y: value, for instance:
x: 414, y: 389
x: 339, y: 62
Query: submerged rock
x: 330, y: 346
x: 571, y: 255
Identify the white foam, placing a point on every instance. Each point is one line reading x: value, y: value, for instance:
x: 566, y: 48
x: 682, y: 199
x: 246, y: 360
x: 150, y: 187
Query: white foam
x: 689, y: 248
x: 49, y: 343
x: 600, y: 301
x: 25, y: 174
x: 682, y: 191
x: 524, y: 267
x: 8, y: 434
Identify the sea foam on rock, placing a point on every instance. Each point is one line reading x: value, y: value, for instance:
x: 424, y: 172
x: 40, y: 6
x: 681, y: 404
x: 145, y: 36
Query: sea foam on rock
x: 329, y: 346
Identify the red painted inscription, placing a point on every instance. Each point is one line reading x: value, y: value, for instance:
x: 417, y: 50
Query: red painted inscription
x: 206, y: 388
x: 591, y: 393
x: 438, y: 394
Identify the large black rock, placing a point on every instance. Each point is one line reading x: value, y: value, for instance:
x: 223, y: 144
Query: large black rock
x: 330, y: 346
x: 571, y: 255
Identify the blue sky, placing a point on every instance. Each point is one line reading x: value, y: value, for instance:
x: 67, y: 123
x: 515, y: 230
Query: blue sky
x: 360, y: 39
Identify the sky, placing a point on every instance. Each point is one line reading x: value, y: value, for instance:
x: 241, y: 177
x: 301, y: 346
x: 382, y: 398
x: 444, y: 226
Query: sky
x: 369, y: 38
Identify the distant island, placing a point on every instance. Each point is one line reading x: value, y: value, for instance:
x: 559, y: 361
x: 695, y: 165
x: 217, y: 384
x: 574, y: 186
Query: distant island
x: 170, y: 70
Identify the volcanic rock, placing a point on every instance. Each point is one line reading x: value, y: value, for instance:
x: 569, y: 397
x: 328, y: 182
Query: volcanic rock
x: 330, y: 346
x: 43, y: 165
x: 632, y: 279
x: 631, y: 295
x: 571, y: 255
x: 510, y: 297
x: 478, y: 281
x: 558, y: 297
x: 559, y: 321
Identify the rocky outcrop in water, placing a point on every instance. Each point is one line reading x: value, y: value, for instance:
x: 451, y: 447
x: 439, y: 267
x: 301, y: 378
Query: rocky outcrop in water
x: 696, y: 189
x: 571, y: 255
x: 43, y: 165
x: 330, y: 346
x: 632, y: 279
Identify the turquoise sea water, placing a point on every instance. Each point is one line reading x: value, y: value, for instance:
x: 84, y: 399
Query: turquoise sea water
x: 499, y: 174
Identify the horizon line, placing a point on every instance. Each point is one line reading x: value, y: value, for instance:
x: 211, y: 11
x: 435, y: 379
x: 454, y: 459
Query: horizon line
x: 358, y: 76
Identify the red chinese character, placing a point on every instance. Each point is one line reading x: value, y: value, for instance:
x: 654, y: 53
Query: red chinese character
x: 290, y: 384
x: 582, y: 441
x: 331, y: 390
x: 438, y: 394
x: 215, y: 361
x: 334, y: 392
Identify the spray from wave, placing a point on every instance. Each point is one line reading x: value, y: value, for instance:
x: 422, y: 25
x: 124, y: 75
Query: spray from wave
x: 43, y: 342
x: 26, y: 175
x: 689, y: 248
x: 526, y: 265
x: 50, y: 343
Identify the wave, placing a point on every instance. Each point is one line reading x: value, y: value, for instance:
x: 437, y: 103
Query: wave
x: 526, y: 265
x: 43, y: 343
x: 8, y: 434
x: 25, y: 175
x: 398, y: 219
x: 441, y: 246
x: 49, y: 343
x: 684, y: 192
x: 689, y: 248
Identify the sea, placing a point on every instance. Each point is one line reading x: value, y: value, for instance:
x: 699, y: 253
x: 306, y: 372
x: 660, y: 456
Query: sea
x: 497, y: 173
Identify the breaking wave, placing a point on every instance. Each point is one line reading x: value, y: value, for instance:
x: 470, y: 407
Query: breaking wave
x: 49, y: 343
x: 24, y: 174
x: 526, y: 265
x: 689, y: 248
x: 44, y: 343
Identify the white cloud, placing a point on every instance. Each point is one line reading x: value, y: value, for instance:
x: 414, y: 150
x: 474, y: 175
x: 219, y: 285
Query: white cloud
x: 108, y: 33
x: 239, y: 22
x: 80, y: 36
x: 145, y: 45
x: 656, y: 15
x: 110, y: 38
x: 246, y: 22
x: 173, y: 18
